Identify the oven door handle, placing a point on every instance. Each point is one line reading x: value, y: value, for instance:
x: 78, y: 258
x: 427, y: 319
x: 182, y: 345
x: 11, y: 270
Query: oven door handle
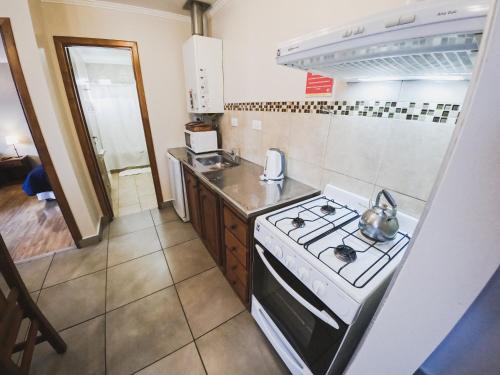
x: 323, y: 315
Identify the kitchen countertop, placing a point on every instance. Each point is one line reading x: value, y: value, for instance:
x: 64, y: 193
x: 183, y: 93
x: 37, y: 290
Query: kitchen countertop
x: 241, y: 185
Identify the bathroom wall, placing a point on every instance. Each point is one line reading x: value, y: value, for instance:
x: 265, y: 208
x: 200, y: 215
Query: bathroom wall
x: 12, y: 120
x: 392, y: 135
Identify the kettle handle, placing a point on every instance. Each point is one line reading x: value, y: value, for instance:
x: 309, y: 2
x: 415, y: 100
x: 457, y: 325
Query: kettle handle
x: 387, y: 196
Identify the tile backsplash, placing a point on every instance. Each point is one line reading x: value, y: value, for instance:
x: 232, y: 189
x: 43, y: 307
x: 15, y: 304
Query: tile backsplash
x: 404, y: 110
x: 359, y: 144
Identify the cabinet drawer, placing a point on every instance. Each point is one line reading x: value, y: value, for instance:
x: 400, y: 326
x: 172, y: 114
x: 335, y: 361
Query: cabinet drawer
x: 234, y: 267
x: 237, y: 226
x: 236, y: 248
x: 237, y: 277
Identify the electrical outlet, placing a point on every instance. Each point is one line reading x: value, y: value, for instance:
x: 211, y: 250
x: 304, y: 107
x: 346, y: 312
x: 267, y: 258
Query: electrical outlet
x: 256, y: 124
x: 234, y: 121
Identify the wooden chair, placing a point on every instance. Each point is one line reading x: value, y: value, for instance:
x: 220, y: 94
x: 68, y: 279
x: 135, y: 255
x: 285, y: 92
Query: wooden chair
x: 15, y: 307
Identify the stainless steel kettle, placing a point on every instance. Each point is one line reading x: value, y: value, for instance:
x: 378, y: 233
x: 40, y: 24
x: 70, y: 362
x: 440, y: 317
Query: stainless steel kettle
x: 380, y: 222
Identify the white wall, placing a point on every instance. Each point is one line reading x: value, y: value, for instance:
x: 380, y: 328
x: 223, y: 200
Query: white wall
x: 456, y: 249
x: 12, y: 120
x: 159, y: 41
x: 81, y: 202
x: 353, y: 152
x: 251, y: 31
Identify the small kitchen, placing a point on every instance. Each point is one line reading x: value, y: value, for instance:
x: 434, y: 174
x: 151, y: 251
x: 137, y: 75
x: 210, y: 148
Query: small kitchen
x: 309, y: 205
x: 315, y: 191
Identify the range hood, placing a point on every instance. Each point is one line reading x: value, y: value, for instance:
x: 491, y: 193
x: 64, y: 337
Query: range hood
x: 429, y: 40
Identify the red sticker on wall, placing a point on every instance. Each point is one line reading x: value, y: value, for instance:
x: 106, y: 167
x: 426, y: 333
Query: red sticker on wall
x: 318, y: 85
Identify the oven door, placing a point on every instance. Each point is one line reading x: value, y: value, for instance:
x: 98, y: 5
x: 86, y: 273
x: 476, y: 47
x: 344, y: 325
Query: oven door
x: 310, y: 329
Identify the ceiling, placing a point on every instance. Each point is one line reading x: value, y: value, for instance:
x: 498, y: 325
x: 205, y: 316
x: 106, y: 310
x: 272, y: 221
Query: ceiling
x: 174, y: 6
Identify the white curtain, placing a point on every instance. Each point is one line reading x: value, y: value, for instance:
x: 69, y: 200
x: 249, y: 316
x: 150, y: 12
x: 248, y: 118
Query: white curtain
x: 118, y: 118
x: 111, y: 105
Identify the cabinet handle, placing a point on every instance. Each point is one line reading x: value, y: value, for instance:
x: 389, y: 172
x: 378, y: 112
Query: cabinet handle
x: 234, y: 268
x: 232, y: 249
x: 233, y: 226
x: 233, y: 282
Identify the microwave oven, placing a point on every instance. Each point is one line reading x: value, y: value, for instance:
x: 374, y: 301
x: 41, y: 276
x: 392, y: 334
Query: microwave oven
x: 198, y: 142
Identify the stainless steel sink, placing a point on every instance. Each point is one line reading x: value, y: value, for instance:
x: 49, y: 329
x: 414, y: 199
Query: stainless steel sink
x: 216, y: 161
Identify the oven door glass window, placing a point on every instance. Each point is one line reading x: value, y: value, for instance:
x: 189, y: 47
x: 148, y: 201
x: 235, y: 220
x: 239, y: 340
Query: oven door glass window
x: 314, y: 340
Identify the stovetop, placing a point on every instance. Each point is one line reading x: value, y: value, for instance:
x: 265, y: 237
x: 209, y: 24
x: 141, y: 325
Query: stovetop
x: 326, y: 225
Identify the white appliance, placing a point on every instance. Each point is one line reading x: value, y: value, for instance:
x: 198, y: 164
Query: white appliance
x: 274, y: 169
x: 427, y: 40
x: 317, y: 280
x: 178, y: 188
x: 203, y: 74
x: 199, y: 142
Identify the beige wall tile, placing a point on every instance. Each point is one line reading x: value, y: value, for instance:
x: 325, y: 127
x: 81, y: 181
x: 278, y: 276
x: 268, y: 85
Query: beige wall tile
x: 276, y: 131
x: 251, y: 144
x: 346, y: 182
x: 356, y: 145
x: 308, y: 136
x: 309, y: 174
x: 416, y: 154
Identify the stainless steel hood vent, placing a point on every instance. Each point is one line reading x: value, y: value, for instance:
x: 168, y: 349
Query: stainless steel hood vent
x: 196, y: 8
x: 383, y: 49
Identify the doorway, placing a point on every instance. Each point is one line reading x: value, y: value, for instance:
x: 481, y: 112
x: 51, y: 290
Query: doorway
x: 35, y: 218
x: 104, y: 86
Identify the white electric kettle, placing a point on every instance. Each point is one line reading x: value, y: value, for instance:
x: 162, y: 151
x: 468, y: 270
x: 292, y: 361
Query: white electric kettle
x: 274, y: 169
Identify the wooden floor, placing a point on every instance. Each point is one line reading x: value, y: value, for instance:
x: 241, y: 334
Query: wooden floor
x: 31, y: 227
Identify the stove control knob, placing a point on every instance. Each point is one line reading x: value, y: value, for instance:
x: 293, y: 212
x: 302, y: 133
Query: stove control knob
x: 278, y: 251
x: 318, y: 287
x: 303, y: 273
x: 289, y: 261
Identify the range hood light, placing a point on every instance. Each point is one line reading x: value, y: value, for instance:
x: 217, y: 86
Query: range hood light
x: 414, y: 78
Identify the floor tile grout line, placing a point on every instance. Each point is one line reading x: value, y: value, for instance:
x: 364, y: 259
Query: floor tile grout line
x: 83, y: 322
x: 45, y: 278
x: 138, y: 230
x: 221, y: 324
x: 163, y: 357
x: 182, y: 308
x: 194, y: 275
x: 131, y: 259
x: 140, y: 298
x: 72, y: 279
x: 37, y: 298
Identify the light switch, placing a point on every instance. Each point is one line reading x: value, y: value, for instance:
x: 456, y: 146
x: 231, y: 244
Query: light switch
x: 234, y: 121
x: 256, y: 124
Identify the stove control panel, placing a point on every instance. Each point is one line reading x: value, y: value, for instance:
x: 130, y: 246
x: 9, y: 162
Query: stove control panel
x: 337, y: 300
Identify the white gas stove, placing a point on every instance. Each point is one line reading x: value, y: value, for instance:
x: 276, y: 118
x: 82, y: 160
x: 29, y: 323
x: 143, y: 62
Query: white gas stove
x: 315, y: 258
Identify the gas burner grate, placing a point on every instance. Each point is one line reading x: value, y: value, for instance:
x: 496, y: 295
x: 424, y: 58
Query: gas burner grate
x: 317, y: 224
x: 382, y: 254
x: 324, y: 232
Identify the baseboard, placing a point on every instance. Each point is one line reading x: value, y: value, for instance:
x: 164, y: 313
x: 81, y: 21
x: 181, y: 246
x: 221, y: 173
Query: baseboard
x: 92, y: 240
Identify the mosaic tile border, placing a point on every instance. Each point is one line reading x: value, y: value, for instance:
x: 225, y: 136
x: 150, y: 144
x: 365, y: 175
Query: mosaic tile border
x: 401, y: 110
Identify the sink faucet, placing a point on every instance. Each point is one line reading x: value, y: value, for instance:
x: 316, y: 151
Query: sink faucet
x: 234, y: 153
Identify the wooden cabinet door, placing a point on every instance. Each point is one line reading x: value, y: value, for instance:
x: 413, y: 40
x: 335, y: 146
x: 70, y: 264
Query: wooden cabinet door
x: 209, y: 207
x: 193, y: 199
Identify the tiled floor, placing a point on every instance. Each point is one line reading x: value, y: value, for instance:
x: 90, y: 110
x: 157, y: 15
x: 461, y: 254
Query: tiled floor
x: 149, y: 300
x: 132, y: 194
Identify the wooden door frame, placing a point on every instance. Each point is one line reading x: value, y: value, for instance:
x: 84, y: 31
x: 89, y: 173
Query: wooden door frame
x: 61, y: 43
x: 34, y: 126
